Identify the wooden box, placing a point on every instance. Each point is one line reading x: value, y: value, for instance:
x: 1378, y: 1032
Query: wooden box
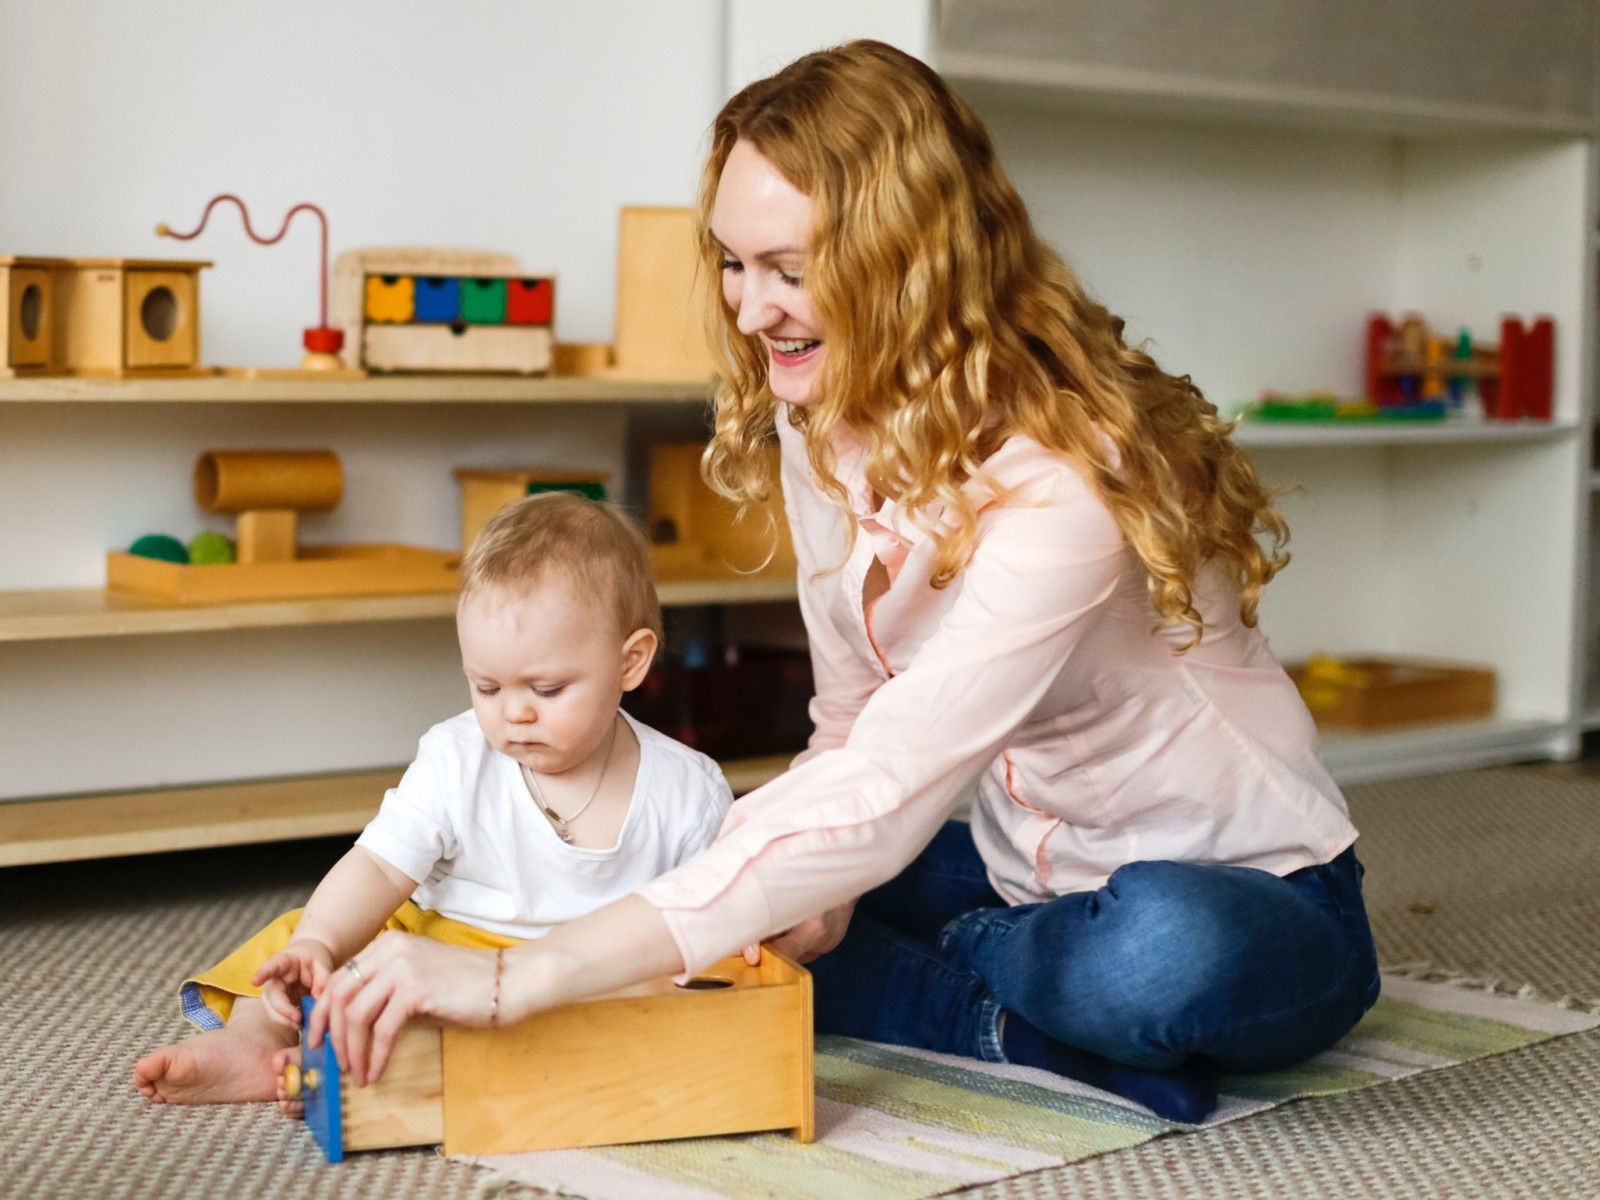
x: 421, y: 309
x: 485, y: 492
x: 694, y: 531
x: 366, y: 570
x: 1367, y: 692
x: 660, y: 323
x: 27, y: 334
x: 124, y: 316
x: 731, y: 1053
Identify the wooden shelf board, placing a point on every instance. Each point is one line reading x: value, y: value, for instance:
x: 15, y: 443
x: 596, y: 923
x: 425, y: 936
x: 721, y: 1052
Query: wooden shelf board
x: 51, y: 614
x: 379, y: 389
x: 110, y: 824
x: 229, y: 814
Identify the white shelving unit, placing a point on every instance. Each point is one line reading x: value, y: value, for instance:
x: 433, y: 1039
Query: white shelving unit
x: 129, y: 725
x: 1245, y: 203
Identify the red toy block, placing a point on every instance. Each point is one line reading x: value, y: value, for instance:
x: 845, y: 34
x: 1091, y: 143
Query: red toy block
x: 1514, y: 355
x: 529, y: 301
x: 1538, y: 399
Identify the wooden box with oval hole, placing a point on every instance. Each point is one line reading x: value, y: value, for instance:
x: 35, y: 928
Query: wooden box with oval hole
x: 729, y: 1053
x: 27, y: 336
x: 124, y: 316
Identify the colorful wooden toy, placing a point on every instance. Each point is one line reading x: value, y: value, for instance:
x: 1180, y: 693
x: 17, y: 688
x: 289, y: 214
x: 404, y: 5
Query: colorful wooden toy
x: 729, y: 1053
x: 1407, y: 365
x: 485, y: 492
x: 266, y: 491
x: 443, y: 310
x: 322, y: 342
x: 28, y: 334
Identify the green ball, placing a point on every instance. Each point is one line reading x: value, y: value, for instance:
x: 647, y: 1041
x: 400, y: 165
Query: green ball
x: 210, y: 547
x: 159, y: 545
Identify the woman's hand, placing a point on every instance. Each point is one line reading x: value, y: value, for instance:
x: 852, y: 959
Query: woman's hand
x: 810, y: 939
x: 397, y: 979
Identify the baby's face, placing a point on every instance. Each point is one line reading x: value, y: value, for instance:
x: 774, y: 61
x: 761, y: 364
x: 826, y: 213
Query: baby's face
x: 546, y: 673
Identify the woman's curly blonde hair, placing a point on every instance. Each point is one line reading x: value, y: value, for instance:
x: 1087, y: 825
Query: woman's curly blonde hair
x: 951, y: 326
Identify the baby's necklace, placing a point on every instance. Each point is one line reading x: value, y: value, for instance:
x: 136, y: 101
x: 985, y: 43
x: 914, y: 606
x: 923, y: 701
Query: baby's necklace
x: 556, y: 818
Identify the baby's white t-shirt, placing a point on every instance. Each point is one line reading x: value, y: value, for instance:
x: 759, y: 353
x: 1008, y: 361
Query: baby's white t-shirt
x: 463, y: 822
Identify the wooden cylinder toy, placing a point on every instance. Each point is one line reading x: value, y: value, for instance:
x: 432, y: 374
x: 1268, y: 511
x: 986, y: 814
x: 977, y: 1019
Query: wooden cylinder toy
x: 231, y: 481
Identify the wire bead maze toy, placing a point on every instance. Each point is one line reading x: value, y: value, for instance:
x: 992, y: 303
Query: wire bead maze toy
x: 323, y: 342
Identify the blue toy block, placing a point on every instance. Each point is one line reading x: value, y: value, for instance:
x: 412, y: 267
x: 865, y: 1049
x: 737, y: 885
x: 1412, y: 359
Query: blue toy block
x: 438, y: 299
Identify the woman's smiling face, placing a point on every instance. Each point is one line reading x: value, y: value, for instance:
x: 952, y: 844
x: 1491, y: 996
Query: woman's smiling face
x: 763, y: 224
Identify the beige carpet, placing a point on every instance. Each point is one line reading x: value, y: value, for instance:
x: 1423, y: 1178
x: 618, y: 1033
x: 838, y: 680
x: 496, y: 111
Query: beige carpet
x: 1489, y: 875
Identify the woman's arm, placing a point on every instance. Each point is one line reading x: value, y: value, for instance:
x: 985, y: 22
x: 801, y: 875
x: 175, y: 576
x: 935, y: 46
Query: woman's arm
x: 404, y: 978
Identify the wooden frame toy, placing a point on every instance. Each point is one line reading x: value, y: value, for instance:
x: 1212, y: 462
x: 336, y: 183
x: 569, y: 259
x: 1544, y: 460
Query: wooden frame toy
x: 267, y: 490
x: 660, y: 310
x: 1408, y: 365
x: 415, y: 309
x: 731, y: 1052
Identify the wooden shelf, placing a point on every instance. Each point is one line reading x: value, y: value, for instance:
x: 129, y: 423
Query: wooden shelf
x: 109, y: 824
x: 54, y: 614
x: 377, y: 389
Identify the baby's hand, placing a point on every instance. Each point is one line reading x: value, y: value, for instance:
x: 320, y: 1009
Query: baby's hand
x: 301, y: 968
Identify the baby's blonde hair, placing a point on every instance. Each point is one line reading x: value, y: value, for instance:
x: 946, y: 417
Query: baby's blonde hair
x: 595, y: 546
x: 951, y: 326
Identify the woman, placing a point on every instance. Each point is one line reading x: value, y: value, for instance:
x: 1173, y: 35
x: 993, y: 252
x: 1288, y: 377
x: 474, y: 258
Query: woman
x: 1029, y: 574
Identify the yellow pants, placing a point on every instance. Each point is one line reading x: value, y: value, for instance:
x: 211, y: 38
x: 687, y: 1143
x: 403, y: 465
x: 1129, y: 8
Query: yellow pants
x: 207, y: 999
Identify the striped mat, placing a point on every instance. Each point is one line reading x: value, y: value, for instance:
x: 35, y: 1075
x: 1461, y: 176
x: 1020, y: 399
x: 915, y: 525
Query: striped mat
x: 896, y: 1124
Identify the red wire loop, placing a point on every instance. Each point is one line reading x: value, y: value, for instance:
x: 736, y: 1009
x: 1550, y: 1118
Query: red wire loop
x: 267, y: 241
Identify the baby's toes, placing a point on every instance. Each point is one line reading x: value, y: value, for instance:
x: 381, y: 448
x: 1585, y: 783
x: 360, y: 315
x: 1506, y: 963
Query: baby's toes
x: 290, y: 1106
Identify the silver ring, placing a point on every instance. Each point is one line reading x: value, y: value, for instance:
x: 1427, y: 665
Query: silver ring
x: 350, y: 965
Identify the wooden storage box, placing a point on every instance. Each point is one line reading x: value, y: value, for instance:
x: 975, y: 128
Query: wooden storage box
x: 27, y: 335
x: 366, y: 570
x: 420, y: 309
x: 124, y: 316
x: 485, y: 492
x: 694, y: 531
x: 1367, y: 692
x: 731, y: 1053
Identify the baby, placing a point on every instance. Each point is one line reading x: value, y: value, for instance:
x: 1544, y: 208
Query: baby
x: 541, y: 804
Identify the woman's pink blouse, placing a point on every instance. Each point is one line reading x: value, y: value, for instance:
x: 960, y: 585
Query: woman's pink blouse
x: 1034, y: 689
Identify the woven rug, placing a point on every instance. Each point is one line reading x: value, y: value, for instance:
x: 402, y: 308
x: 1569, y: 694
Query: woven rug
x: 895, y: 1124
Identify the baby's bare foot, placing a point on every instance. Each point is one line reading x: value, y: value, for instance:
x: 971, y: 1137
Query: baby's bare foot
x: 219, y: 1067
x: 289, y: 1106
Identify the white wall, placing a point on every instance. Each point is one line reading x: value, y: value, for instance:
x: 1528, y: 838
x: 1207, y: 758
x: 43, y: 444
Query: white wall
x: 513, y: 127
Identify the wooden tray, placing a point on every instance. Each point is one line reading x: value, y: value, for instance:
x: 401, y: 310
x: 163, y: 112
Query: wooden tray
x: 1363, y: 693
x: 318, y: 571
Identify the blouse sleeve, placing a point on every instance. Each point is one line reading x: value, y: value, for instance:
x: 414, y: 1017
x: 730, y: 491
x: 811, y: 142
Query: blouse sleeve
x: 855, y: 814
x: 842, y: 681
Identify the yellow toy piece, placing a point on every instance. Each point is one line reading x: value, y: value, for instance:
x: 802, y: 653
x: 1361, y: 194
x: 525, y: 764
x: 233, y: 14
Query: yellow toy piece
x: 390, y: 299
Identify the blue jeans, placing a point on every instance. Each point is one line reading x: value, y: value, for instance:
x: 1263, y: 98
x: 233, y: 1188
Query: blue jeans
x: 1235, y: 967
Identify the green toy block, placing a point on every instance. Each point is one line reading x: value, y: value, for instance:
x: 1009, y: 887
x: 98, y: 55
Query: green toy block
x: 159, y: 545
x: 483, y: 301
